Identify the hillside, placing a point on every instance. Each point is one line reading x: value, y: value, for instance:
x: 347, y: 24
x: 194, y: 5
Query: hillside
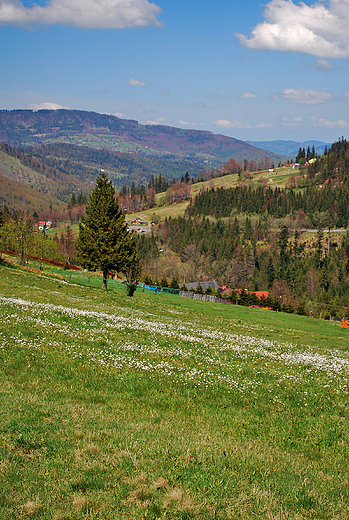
x: 60, y: 152
x: 26, y: 127
x: 278, y: 178
x: 16, y: 195
x: 163, y: 407
x: 29, y: 183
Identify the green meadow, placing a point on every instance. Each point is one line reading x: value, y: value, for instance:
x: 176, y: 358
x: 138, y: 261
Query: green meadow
x: 160, y: 407
x: 278, y: 178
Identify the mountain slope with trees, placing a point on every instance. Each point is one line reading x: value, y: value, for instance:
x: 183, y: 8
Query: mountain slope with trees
x: 62, y: 152
x: 27, y: 127
x: 252, y: 238
x: 26, y: 169
x: 16, y: 195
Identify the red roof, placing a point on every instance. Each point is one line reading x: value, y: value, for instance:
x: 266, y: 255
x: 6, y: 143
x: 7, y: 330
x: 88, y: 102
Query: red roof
x: 259, y: 294
x: 262, y: 294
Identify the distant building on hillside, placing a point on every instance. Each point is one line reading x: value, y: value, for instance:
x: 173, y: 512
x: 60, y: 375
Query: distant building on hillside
x: 205, y: 285
x: 41, y: 223
x: 138, y: 221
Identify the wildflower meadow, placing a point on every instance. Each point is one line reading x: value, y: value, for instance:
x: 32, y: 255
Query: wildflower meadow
x: 159, y: 407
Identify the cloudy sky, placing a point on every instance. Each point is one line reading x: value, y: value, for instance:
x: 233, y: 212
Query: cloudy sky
x: 243, y: 69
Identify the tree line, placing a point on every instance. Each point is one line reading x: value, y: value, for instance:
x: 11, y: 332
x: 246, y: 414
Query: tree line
x: 333, y: 200
x: 260, y: 244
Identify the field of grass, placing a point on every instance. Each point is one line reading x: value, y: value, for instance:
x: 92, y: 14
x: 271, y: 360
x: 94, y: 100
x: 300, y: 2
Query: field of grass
x: 62, y: 228
x: 161, y: 212
x: 160, y: 407
x: 278, y: 178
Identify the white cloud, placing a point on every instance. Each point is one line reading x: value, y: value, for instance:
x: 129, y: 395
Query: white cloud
x: 185, y: 123
x: 165, y: 93
x: 46, y: 106
x: 249, y: 95
x: 119, y: 114
x: 316, y: 29
x: 306, y: 96
x: 86, y: 14
x: 324, y: 65
x: 224, y: 123
x: 264, y: 126
x: 321, y: 121
x: 294, y: 121
x: 157, y: 121
x: 346, y: 96
x: 136, y: 83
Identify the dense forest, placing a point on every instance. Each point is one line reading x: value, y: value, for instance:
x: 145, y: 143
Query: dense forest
x: 123, y: 168
x: 324, y: 200
x: 260, y: 244
x: 312, y: 201
x: 105, y: 131
x: 51, y: 180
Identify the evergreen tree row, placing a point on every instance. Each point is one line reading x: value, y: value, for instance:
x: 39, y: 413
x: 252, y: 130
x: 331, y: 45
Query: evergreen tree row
x: 278, y: 203
x: 328, y: 193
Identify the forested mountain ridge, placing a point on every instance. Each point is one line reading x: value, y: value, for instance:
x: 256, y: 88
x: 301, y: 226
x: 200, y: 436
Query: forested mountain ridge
x: 18, y: 196
x: 67, y: 149
x: 86, y: 162
x: 324, y: 197
x: 44, y: 182
x: 27, y: 127
x: 254, y: 238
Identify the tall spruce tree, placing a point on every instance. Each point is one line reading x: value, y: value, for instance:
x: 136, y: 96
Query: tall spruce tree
x: 104, y: 242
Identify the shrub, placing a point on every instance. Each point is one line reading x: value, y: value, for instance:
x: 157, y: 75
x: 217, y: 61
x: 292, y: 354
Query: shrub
x: 131, y: 288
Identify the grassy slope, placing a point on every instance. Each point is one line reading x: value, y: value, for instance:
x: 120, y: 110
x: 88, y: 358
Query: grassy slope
x: 120, y: 408
x: 276, y: 179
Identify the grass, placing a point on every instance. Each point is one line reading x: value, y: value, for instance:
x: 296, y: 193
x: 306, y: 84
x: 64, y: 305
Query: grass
x: 62, y: 228
x: 278, y: 178
x: 162, y: 407
x: 173, y: 210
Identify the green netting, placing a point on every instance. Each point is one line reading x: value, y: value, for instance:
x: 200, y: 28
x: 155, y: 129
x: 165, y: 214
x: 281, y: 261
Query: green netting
x: 96, y: 280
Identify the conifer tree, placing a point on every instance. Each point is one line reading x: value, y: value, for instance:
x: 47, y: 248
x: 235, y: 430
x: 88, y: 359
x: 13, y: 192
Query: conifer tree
x: 163, y: 281
x: 104, y: 242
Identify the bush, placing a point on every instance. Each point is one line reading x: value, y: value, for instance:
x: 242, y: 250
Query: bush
x: 301, y: 309
x: 234, y: 297
x: 174, y: 283
x: 199, y: 289
x: 147, y: 279
x: 163, y: 282
x: 131, y: 288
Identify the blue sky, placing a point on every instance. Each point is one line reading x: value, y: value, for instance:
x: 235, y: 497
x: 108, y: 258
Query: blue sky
x: 250, y: 71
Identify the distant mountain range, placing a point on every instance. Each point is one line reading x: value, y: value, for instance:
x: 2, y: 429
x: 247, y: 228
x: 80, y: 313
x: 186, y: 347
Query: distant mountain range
x: 289, y: 149
x: 28, y: 128
x: 47, y: 155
